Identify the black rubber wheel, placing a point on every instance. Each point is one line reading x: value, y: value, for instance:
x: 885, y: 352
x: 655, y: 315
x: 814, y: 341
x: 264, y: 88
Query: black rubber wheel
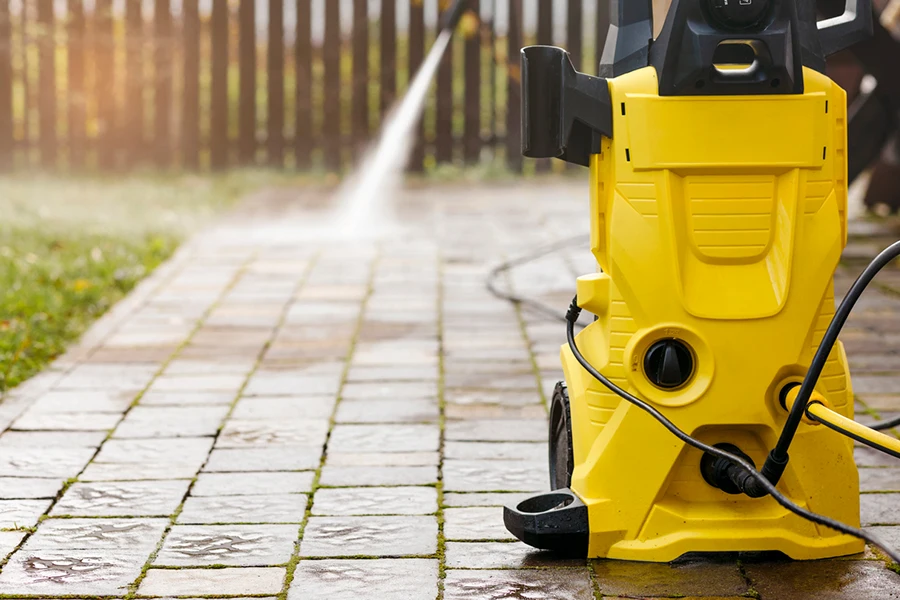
x: 562, y: 460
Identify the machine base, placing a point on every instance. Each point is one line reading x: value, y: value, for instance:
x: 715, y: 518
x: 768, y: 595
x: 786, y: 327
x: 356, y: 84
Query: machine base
x: 558, y: 521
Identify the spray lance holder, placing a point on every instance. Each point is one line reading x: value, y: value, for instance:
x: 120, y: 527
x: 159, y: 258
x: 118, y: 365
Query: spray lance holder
x: 695, y: 142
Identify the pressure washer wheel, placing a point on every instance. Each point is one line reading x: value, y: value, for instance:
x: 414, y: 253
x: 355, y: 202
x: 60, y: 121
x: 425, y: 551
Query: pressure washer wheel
x: 561, y: 458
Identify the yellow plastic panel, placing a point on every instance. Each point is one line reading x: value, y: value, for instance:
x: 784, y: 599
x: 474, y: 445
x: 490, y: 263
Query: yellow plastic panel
x: 735, y: 131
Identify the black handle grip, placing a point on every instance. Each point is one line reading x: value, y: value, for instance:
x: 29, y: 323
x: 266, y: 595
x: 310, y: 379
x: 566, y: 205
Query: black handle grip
x: 841, y: 32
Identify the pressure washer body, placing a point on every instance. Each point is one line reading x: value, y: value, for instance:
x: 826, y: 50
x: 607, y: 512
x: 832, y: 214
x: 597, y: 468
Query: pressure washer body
x: 718, y: 176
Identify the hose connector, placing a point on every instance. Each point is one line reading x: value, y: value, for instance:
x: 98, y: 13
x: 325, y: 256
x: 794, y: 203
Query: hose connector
x: 729, y: 476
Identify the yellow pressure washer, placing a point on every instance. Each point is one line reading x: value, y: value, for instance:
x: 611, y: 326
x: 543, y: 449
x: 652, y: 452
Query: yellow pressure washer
x: 718, y: 175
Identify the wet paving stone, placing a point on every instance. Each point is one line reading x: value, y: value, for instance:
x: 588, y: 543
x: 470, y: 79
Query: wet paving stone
x: 477, y: 523
x: 389, y: 390
x: 280, y: 508
x: 384, y: 438
x: 452, y: 499
x: 21, y: 513
x: 71, y: 572
x: 384, y: 579
x: 212, y: 582
x: 278, y: 383
x: 468, y: 396
x: 83, y: 401
x: 382, y: 459
x: 265, y: 434
x: 131, y: 536
x: 495, y: 475
x: 190, y: 452
x: 497, y: 430
x: 44, y: 421
x: 823, y: 580
x: 268, y: 408
x: 121, y: 499
x: 504, y: 555
x: 889, y: 533
x: 370, y: 475
x: 283, y: 458
x: 530, y: 451
x: 8, y: 542
x: 370, y: 536
x: 528, y: 584
x: 879, y: 509
x: 224, y: 382
x: 368, y: 374
x: 686, y: 577
x: 52, y: 439
x: 125, y: 472
x: 463, y: 412
x: 869, y: 457
x: 879, y: 480
x: 28, y: 488
x: 375, y: 501
x: 171, y: 422
x: 387, y: 411
x: 162, y: 398
x: 249, y: 484
x: 17, y: 461
x: 233, y: 545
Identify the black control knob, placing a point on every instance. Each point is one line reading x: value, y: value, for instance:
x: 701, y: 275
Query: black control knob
x: 669, y: 364
x: 738, y: 14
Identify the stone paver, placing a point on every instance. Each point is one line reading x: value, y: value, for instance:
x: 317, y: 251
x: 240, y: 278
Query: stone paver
x: 517, y: 585
x: 273, y: 415
x: 376, y: 501
x: 228, y: 582
x: 385, y: 579
x: 275, y: 508
x: 234, y: 545
x: 121, y: 499
x: 370, y: 536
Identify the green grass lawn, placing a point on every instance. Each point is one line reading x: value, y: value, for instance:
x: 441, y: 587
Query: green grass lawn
x: 71, y: 247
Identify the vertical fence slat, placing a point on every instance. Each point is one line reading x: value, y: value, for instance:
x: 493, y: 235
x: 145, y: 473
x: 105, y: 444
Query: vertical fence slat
x: 47, y: 82
x: 360, y: 110
x: 544, y: 37
x: 472, y: 111
x: 602, y: 29
x: 331, y: 55
x: 276, y: 84
x: 190, y: 113
x: 416, y: 56
x: 303, y: 75
x: 444, y: 129
x: 6, y: 81
x: 218, y: 118
x: 132, y: 126
x: 574, y: 36
x: 513, y: 81
x: 104, y: 83
x: 388, y: 54
x: 247, y: 74
x: 163, y: 97
x: 26, y: 83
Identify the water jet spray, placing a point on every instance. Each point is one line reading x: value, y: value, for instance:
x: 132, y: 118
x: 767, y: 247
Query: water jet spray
x: 364, y: 200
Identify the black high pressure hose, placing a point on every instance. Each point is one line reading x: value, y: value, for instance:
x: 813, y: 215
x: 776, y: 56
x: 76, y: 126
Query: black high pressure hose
x: 747, y: 469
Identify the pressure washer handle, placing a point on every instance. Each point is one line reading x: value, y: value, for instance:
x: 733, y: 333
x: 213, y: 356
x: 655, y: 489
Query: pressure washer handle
x: 854, y: 25
x: 451, y: 16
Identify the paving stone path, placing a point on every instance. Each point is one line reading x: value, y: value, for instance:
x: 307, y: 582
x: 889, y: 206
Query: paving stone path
x: 273, y: 417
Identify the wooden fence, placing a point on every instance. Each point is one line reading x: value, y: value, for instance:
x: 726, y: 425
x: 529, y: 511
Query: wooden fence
x: 211, y: 84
